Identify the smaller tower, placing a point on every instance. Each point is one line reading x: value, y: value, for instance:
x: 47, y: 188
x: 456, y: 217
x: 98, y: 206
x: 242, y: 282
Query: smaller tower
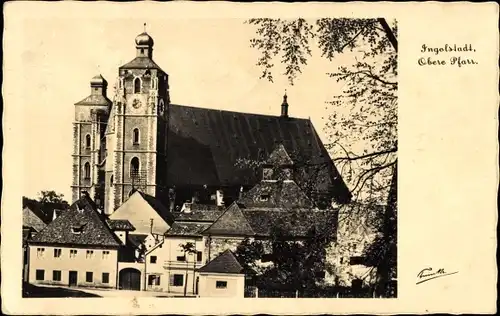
x: 284, y: 106
x: 91, y: 115
x: 144, y: 44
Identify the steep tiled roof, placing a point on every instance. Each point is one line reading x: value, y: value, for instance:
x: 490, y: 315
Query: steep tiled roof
x: 94, y: 99
x: 140, y: 209
x: 137, y: 239
x: 212, y: 141
x: 120, y: 224
x: 141, y: 63
x: 224, y: 263
x: 33, y: 220
x: 197, y: 215
x: 297, y: 223
x: 45, y: 211
x: 80, y: 225
x: 187, y: 229
x: 232, y: 222
x: 282, y: 194
x: 279, y: 157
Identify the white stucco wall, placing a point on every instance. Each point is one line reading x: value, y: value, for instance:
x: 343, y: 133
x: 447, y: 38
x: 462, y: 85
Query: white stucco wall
x: 235, y: 285
x: 96, y: 264
x: 167, y: 265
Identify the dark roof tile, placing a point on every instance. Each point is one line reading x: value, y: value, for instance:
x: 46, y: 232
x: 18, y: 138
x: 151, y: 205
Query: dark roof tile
x: 120, y: 224
x: 187, y: 229
x: 226, y: 262
x: 80, y: 225
x: 232, y: 222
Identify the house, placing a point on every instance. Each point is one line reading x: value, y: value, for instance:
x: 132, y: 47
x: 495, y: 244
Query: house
x: 145, y: 213
x: 277, y: 202
x: 222, y: 277
x: 78, y: 248
x: 171, y: 265
x: 139, y: 139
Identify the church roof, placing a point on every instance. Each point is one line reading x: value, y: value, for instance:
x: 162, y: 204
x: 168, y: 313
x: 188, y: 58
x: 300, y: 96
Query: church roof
x: 80, y: 225
x: 205, y: 146
x: 226, y: 262
x: 141, y: 62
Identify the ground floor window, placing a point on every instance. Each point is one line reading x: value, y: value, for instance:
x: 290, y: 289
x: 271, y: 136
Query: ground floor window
x: 105, y: 277
x: 221, y: 284
x: 40, y: 275
x: 89, y: 277
x: 153, y: 279
x: 177, y: 280
x: 56, y: 275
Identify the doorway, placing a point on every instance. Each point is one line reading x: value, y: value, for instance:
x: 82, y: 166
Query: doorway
x: 73, y: 278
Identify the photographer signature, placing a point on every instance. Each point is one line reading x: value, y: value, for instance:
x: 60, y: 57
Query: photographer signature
x: 427, y: 274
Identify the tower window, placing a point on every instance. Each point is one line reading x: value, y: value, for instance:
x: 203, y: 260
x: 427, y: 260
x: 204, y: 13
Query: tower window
x: 86, y: 171
x: 87, y: 141
x: 137, y: 85
x: 142, y: 51
x: 136, y: 136
x: 111, y: 181
x: 134, y: 167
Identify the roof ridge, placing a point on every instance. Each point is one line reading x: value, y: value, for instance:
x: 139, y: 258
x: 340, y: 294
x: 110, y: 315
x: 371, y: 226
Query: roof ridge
x: 238, y: 112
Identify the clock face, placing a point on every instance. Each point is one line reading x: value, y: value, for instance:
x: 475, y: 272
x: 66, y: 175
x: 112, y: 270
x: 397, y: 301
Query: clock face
x: 136, y: 103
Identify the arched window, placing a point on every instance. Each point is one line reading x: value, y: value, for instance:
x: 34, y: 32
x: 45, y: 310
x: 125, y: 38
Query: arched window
x: 87, y: 141
x: 137, y: 85
x: 86, y: 171
x: 136, y: 136
x: 134, y: 167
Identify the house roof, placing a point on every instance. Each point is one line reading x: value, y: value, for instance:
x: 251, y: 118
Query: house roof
x: 34, y: 219
x: 82, y: 216
x: 137, y: 239
x: 205, y: 145
x: 226, y: 262
x: 140, y: 209
x: 45, y: 211
x: 232, y: 222
x: 200, y: 215
x: 120, y: 224
x: 298, y: 223
x: 187, y: 229
x: 281, y: 194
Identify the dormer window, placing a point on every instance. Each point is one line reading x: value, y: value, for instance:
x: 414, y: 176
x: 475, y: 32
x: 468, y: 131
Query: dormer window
x: 267, y: 173
x: 264, y: 197
x: 77, y: 229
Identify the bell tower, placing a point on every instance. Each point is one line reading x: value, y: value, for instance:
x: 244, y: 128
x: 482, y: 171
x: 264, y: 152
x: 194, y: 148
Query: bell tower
x: 89, y: 125
x: 139, y: 146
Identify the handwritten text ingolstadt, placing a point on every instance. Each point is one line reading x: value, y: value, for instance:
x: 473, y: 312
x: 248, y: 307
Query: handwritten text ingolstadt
x: 454, y: 55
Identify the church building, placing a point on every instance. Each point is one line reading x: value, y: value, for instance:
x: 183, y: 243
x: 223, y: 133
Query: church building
x: 139, y: 140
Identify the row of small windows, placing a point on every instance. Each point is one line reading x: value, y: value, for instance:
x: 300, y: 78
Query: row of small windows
x: 56, y: 276
x: 72, y: 253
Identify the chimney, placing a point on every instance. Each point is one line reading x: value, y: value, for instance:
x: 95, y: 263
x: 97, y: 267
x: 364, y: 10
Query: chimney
x: 284, y: 106
x: 240, y: 194
x: 220, y: 198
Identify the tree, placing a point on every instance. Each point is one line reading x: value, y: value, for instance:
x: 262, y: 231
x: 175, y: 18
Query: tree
x: 362, y: 124
x: 51, y: 196
x: 188, y: 248
x: 296, y: 264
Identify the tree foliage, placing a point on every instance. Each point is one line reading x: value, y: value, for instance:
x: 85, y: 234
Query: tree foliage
x: 51, y: 196
x: 362, y: 115
x: 294, y: 264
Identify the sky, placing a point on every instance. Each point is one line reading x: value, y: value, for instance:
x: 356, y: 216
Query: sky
x: 209, y: 61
